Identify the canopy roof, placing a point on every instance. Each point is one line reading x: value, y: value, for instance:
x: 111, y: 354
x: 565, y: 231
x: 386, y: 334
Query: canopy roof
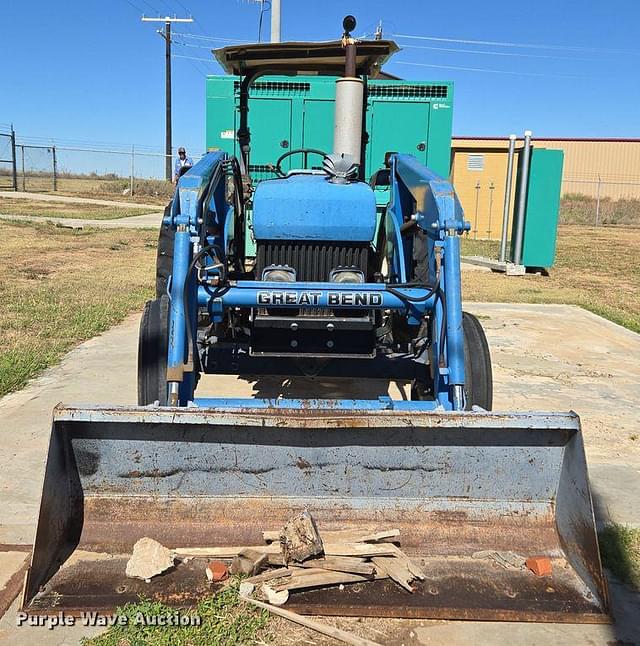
x: 305, y: 57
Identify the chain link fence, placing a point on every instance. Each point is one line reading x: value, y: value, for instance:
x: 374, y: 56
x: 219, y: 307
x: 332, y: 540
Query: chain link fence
x: 599, y: 200
x: 90, y: 170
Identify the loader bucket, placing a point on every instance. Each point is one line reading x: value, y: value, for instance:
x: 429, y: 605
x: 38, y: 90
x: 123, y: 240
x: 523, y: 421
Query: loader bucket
x: 453, y: 483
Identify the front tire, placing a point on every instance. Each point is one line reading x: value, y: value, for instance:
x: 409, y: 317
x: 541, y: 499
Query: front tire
x: 153, y: 343
x: 478, y: 388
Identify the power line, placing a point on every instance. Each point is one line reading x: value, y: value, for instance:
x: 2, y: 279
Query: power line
x: 520, y: 45
x: 484, y: 52
x: 212, y: 38
x: 193, y: 58
x: 135, y: 6
x: 482, y: 69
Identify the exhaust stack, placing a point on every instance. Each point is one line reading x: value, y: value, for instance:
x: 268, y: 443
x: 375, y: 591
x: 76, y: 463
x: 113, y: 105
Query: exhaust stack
x: 347, y: 133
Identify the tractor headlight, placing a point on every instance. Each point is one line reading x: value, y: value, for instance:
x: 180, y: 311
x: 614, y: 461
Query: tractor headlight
x: 279, y: 274
x: 346, y: 275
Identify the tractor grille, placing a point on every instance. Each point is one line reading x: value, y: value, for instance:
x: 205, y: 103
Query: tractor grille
x: 313, y: 261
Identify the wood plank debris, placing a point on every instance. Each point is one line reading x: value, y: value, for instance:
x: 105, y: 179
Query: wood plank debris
x: 248, y: 561
x: 352, y: 564
x: 385, y: 535
x: 300, y: 557
x: 319, y: 579
x: 307, y: 622
x: 395, y: 569
x: 330, y: 549
x: 343, y: 536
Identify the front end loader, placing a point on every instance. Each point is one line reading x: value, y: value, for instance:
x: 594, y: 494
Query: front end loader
x: 336, y: 288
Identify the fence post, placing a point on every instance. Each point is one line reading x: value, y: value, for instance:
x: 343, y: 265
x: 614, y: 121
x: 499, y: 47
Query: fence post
x: 24, y: 177
x: 14, y: 169
x: 133, y: 154
x: 54, y: 163
x: 598, y: 201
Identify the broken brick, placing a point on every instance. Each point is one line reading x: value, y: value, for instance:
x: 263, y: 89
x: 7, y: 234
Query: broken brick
x: 539, y: 565
x: 217, y: 571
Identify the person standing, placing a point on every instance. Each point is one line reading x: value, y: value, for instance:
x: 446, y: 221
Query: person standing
x: 182, y: 162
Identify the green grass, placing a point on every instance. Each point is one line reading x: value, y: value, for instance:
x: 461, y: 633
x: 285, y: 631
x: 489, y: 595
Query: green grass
x: 59, y: 287
x: 596, y: 268
x: 225, y: 620
x: 42, y: 208
x: 620, y: 552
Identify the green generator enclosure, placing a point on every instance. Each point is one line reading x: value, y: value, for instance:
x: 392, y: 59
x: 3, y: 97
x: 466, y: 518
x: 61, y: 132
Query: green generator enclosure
x: 287, y: 112
x: 542, y: 208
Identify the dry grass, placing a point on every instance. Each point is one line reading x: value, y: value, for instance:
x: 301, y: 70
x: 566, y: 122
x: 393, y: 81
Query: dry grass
x: 581, y: 209
x: 145, y: 190
x: 59, y: 287
x: 596, y: 268
x: 14, y: 206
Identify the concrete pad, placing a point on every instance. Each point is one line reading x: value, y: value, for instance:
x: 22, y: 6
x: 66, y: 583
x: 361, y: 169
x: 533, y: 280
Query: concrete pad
x: 10, y: 563
x: 545, y: 358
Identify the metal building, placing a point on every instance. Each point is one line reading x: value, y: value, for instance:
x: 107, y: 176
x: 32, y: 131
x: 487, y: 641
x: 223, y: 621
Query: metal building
x: 597, y: 168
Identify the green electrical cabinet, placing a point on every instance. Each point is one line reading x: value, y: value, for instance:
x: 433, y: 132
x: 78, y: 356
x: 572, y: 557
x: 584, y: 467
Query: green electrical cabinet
x: 542, y: 208
x: 286, y: 113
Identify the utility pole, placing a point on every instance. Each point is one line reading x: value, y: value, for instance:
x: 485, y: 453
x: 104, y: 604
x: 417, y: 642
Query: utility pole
x: 275, y: 21
x: 167, y: 53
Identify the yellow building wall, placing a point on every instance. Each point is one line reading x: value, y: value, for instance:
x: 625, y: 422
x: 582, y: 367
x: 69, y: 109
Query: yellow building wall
x: 608, y: 169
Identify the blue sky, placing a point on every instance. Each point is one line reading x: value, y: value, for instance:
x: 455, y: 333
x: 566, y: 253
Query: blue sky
x: 92, y: 71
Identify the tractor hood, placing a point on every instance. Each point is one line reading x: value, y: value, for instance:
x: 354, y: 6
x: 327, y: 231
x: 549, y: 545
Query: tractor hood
x: 309, y: 207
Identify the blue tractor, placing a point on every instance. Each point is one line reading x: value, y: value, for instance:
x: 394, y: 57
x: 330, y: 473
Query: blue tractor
x: 336, y: 288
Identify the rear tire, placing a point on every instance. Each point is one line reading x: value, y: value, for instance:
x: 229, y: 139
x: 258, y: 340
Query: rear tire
x: 153, y: 343
x: 478, y: 388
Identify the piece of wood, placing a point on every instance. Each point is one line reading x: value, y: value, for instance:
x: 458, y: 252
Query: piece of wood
x: 321, y: 578
x: 248, y: 561
x: 325, y: 629
x: 299, y: 538
x: 271, y: 574
x: 276, y: 559
x: 352, y: 564
x: 330, y: 549
x: 411, y: 565
x: 385, y: 535
x: 395, y: 569
x: 359, y: 549
x: 343, y: 535
x: 227, y: 552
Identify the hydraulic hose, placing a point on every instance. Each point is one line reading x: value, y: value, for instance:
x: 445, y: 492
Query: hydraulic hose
x: 185, y: 290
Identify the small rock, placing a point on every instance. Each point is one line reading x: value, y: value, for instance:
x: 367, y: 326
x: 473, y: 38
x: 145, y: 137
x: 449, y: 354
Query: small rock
x: 217, y: 571
x: 246, y: 589
x: 275, y: 598
x: 149, y: 559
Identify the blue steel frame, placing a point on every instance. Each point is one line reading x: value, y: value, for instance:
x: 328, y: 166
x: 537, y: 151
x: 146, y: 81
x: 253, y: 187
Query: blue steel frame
x: 415, y: 193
